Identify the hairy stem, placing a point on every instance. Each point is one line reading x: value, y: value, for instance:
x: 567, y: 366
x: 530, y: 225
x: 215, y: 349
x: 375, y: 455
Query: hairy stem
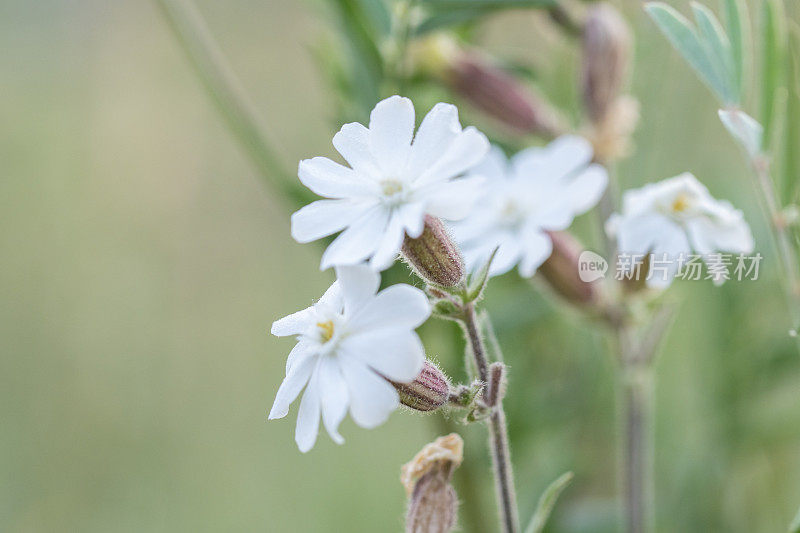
x: 226, y: 92
x: 498, y: 433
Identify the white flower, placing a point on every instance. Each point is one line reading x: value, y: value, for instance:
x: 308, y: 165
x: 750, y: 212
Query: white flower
x: 674, y: 217
x: 391, y: 184
x: 538, y: 190
x: 347, y: 344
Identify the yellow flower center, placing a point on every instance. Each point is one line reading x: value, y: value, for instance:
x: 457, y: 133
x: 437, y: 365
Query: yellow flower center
x: 680, y: 204
x: 326, y: 330
x: 391, y: 187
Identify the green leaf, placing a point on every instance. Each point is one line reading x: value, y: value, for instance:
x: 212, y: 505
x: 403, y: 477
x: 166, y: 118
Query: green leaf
x: 745, y: 129
x: 487, y: 4
x: 774, y: 63
x: 477, y: 282
x: 547, y: 502
x: 685, y: 40
x: 717, y: 48
x: 791, y: 155
x: 366, y: 62
x: 447, y: 309
x: 736, y: 22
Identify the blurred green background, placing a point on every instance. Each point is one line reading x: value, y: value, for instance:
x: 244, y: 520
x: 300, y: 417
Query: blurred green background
x: 143, y: 261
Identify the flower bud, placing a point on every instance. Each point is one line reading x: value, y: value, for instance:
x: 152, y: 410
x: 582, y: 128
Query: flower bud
x: 606, y: 57
x: 429, y: 391
x: 562, y: 274
x: 477, y: 79
x: 434, y: 256
x: 432, y: 504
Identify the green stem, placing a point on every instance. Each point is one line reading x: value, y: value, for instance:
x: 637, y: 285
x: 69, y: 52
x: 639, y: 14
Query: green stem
x: 498, y: 432
x: 226, y: 91
x: 781, y: 239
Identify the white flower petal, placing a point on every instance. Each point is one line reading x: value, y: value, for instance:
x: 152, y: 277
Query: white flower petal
x: 307, y: 428
x: 638, y: 235
x: 567, y: 154
x: 359, y: 284
x: 358, y: 241
x: 300, y: 351
x: 666, y: 251
x: 586, y: 189
x: 325, y: 217
x: 493, y: 166
x: 390, y: 244
x: 330, y: 179
x: 333, y: 297
x: 464, y: 152
x: 296, y: 378
x: 353, y: 143
x: 395, y: 353
x: 391, y: 126
x: 401, y: 306
x: 294, y: 324
x: 413, y: 218
x: 372, y: 398
x: 438, y: 129
x: 537, y: 247
x: 334, y: 396
x: 453, y: 200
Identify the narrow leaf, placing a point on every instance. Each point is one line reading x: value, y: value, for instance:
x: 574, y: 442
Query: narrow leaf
x: 685, y: 40
x: 477, y: 281
x: 774, y: 63
x: 547, y: 502
x: 717, y: 48
x: 744, y: 128
x: 791, y: 155
x: 488, y: 4
x: 736, y: 23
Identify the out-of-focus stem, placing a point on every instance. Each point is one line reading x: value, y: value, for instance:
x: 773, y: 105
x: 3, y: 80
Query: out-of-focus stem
x: 498, y: 434
x: 636, y: 350
x: 224, y: 88
x: 781, y: 237
x: 637, y: 463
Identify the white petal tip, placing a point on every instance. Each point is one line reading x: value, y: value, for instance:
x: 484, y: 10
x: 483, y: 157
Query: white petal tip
x: 276, y: 414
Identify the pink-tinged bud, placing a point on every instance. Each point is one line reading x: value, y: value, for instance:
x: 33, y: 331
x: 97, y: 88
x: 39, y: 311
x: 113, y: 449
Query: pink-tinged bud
x: 501, y: 96
x: 480, y: 81
x: 562, y: 274
x: 433, y: 504
x: 434, y: 256
x: 429, y: 391
x: 606, y: 59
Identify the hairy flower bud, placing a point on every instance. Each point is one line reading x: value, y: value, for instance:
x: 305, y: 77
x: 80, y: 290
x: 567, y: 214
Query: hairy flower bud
x: 434, y: 256
x: 562, y: 274
x: 606, y: 58
x: 433, y: 503
x: 429, y: 391
x: 477, y: 79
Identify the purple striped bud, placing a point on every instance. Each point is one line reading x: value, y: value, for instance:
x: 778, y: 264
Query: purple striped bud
x: 479, y: 80
x: 429, y: 391
x: 434, y: 256
x: 606, y: 58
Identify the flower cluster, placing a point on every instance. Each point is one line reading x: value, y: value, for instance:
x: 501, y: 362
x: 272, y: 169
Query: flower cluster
x: 357, y: 349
